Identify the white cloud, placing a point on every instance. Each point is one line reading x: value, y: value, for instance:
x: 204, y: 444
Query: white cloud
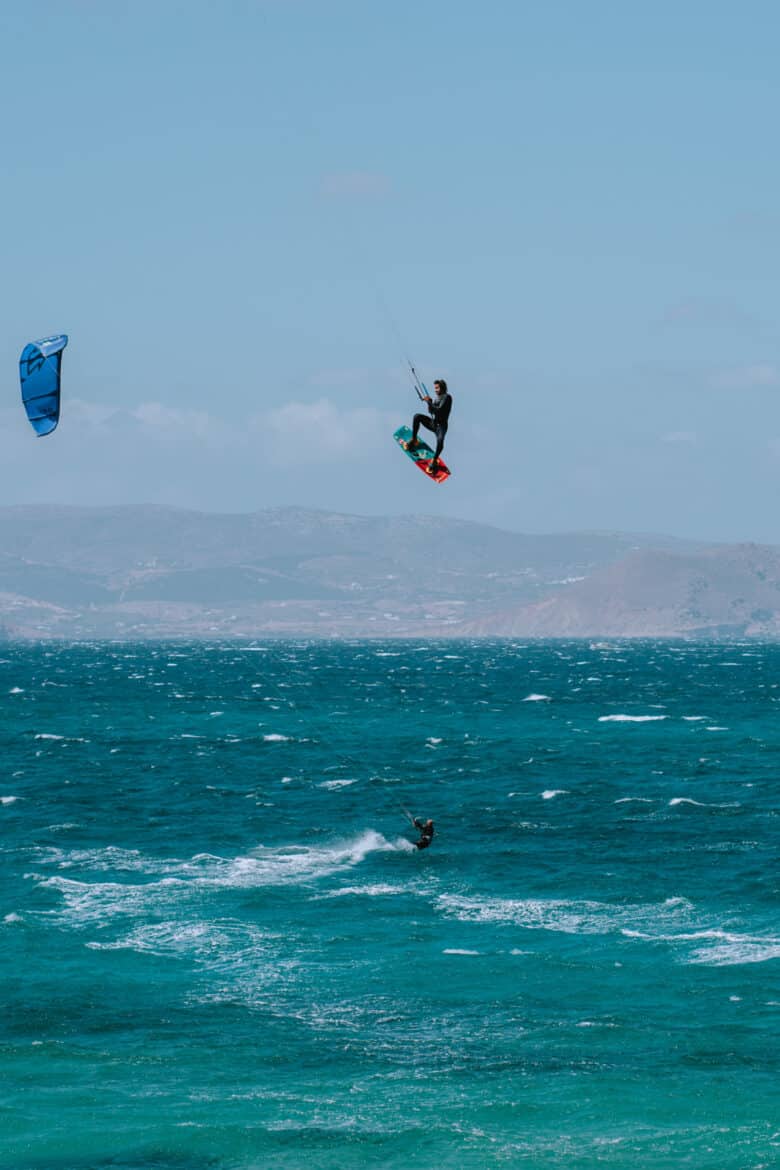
x: 318, y: 430
x: 91, y: 414
x: 171, y: 422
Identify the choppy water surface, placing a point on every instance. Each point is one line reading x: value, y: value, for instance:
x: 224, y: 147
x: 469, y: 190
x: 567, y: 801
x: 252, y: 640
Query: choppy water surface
x: 221, y: 951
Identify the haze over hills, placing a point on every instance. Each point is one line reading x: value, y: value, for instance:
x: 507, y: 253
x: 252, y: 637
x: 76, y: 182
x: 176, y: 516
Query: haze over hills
x: 154, y: 572
x: 726, y: 591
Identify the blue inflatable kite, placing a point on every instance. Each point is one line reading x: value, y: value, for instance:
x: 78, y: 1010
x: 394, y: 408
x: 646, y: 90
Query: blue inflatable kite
x: 39, y: 368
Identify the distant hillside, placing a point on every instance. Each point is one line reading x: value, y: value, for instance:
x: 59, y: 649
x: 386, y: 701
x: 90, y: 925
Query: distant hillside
x: 139, y: 572
x: 728, y: 590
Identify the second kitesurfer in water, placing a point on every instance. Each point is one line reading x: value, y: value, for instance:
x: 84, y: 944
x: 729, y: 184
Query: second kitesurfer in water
x: 425, y: 829
x: 439, y: 410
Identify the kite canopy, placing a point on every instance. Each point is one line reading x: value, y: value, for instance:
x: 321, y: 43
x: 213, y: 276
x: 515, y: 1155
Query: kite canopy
x: 39, y: 368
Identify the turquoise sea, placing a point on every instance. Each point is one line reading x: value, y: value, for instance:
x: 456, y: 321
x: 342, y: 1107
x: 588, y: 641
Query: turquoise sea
x: 221, y: 952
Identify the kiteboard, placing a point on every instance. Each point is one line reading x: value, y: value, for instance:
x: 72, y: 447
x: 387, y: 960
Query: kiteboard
x: 422, y: 456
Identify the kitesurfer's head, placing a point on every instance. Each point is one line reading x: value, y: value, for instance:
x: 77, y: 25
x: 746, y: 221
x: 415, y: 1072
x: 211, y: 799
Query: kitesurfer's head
x: 440, y: 386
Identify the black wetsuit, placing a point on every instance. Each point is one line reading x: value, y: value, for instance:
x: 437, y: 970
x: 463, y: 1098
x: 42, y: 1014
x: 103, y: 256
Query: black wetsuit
x: 439, y: 411
x: 426, y: 833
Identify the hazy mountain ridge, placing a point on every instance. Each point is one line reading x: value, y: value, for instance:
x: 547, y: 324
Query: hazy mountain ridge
x: 722, y: 591
x: 163, y: 572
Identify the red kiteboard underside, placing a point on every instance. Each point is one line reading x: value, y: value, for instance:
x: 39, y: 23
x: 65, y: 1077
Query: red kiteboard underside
x: 422, y: 456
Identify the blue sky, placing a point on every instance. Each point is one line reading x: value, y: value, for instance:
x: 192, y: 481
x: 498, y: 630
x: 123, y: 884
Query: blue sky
x: 567, y: 210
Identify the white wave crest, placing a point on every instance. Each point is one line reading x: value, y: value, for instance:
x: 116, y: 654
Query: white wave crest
x: 300, y: 863
x: 109, y: 859
x: 568, y: 917
x: 631, y: 718
x: 699, y: 803
x: 88, y: 902
x: 719, y: 948
x: 212, y: 941
x: 379, y: 890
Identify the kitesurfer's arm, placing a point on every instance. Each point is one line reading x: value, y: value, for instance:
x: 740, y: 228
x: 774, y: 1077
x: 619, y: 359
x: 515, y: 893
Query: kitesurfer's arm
x: 425, y: 829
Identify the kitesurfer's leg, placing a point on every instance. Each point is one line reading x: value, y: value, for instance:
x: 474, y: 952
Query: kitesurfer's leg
x: 419, y: 420
x: 440, y: 435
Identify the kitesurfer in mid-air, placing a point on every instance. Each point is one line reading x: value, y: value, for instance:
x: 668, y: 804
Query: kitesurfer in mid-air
x: 439, y: 410
x: 425, y: 829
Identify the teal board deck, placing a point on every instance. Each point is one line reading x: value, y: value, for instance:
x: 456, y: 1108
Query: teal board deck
x: 421, y: 455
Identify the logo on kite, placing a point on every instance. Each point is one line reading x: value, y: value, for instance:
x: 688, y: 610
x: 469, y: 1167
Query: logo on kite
x: 39, y: 370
